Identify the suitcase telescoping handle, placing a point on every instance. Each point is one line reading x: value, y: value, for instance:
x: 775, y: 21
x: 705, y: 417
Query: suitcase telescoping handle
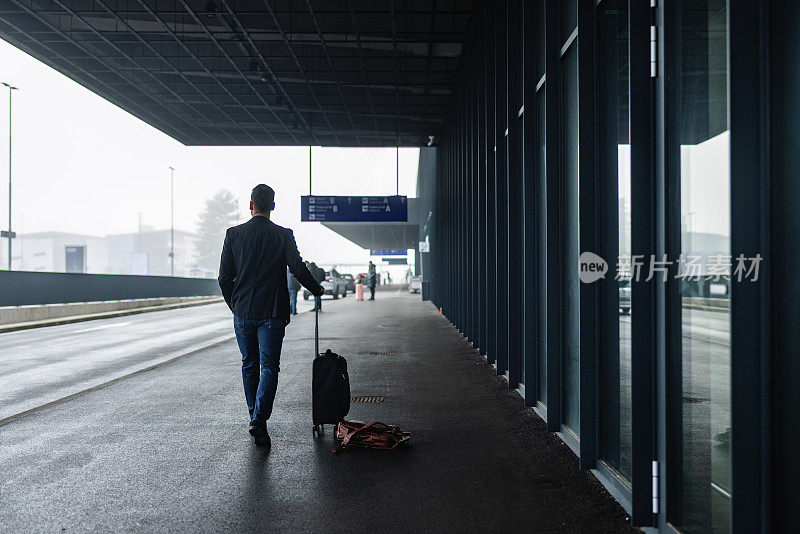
x: 316, y: 330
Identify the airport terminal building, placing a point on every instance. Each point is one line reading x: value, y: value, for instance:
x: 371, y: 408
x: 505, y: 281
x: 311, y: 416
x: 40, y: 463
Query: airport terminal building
x: 607, y: 198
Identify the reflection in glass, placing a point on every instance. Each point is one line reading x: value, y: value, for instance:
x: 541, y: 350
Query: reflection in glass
x: 705, y: 247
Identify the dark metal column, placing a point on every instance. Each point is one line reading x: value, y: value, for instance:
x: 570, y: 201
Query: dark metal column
x: 750, y: 314
x: 513, y: 260
x: 588, y: 232
x: 555, y: 293
x: 501, y: 189
x: 643, y: 242
x: 491, y: 185
x: 480, y: 150
x: 529, y: 192
x: 784, y: 255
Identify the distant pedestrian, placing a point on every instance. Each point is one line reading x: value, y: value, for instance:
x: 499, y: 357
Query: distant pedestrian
x: 252, y: 277
x: 319, y: 275
x: 372, y: 280
x: 294, y: 287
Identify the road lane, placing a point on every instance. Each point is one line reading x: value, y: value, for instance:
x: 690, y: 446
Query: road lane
x: 43, y: 365
x: 712, y: 326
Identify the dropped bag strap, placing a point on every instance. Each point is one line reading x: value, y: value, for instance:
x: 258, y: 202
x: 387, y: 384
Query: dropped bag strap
x: 374, y: 435
x: 350, y: 436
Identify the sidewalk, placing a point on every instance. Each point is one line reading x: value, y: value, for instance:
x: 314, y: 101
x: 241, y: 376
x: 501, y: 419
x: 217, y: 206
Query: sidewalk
x: 168, y: 449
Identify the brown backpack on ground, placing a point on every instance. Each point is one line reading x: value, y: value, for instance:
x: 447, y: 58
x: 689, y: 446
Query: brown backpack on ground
x: 373, y: 435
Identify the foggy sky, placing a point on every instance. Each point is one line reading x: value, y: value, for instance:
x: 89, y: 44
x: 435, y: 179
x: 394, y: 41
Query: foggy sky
x: 83, y: 165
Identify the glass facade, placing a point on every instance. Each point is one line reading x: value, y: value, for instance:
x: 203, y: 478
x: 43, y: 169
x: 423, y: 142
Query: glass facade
x: 624, y: 149
x: 704, y: 270
x: 615, y: 221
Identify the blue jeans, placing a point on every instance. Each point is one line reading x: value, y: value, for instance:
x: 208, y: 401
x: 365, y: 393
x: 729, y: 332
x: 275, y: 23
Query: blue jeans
x: 293, y: 300
x: 260, y: 343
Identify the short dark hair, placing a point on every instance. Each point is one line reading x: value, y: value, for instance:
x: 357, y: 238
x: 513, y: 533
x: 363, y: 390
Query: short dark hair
x: 263, y: 198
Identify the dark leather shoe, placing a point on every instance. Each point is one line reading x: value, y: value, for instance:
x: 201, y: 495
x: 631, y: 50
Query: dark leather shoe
x: 260, y: 434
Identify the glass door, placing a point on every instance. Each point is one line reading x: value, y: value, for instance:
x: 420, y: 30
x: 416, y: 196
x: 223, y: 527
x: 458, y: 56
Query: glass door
x: 614, y: 161
x: 698, y: 200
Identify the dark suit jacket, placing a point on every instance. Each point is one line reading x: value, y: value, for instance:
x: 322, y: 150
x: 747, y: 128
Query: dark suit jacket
x: 252, y: 272
x: 372, y: 278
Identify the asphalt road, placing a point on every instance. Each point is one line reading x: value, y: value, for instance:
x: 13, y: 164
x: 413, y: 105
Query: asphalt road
x: 43, y: 365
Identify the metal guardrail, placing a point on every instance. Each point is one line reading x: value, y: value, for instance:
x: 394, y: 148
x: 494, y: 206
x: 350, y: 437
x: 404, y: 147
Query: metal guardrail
x: 22, y: 288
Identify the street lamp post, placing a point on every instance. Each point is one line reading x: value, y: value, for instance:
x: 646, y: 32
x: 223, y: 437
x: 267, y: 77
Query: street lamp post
x: 9, y: 234
x: 172, y: 221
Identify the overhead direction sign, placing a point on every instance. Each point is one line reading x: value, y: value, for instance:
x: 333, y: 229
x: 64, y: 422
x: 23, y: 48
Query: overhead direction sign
x: 353, y: 209
x: 388, y: 252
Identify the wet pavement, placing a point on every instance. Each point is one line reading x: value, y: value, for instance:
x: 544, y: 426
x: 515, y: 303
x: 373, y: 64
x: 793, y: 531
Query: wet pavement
x: 168, y: 449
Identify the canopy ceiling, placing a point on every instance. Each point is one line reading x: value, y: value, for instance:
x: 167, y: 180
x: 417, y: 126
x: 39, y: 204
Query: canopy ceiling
x: 257, y: 72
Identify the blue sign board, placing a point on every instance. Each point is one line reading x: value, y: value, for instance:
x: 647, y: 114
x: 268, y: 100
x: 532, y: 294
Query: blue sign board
x: 388, y: 252
x: 353, y: 209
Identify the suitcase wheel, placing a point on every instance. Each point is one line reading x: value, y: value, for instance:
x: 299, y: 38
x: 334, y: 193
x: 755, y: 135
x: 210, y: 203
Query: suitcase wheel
x: 318, y: 430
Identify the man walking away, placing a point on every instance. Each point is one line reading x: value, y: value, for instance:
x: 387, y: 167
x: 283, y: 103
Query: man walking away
x: 372, y: 279
x: 294, y: 287
x: 252, y: 276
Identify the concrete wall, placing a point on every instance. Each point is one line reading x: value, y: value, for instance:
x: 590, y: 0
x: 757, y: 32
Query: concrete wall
x: 20, y: 288
x: 24, y: 314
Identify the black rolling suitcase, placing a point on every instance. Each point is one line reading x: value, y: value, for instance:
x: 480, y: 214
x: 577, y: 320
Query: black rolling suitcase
x: 330, y: 386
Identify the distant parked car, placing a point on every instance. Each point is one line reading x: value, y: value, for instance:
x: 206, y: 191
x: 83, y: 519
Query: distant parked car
x: 624, y: 284
x: 334, y: 285
x: 351, y: 282
x: 415, y: 285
